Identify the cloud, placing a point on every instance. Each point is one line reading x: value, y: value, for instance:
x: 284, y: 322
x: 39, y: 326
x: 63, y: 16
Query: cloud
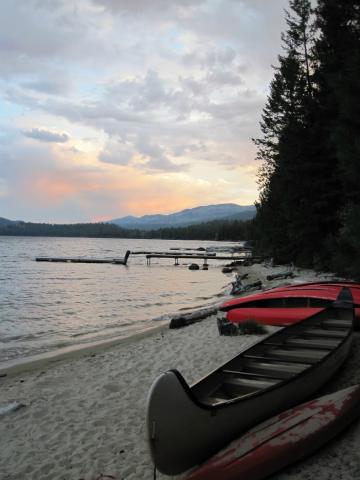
x: 142, y: 154
x: 44, y: 135
x: 162, y: 8
x: 117, y: 153
x: 49, y: 86
x: 39, y: 186
x: 210, y: 58
x: 4, y: 190
x: 167, y: 91
x: 224, y: 77
x: 182, y: 149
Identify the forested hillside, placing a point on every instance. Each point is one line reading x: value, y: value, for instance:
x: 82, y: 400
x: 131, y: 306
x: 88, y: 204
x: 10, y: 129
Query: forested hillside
x: 233, y: 230
x: 309, y: 206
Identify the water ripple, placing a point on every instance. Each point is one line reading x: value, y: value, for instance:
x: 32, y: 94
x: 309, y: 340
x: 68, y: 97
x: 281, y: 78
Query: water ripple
x: 44, y: 305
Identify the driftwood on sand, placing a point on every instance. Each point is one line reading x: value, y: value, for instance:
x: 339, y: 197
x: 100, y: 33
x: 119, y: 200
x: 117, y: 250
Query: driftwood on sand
x: 190, y: 318
x: 279, y: 276
x: 286, y: 274
x: 239, y: 287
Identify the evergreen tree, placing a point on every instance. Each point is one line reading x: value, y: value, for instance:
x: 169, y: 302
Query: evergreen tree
x: 286, y: 202
x: 338, y: 86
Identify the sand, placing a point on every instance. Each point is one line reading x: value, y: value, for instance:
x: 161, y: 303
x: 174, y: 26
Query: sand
x: 85, y: 414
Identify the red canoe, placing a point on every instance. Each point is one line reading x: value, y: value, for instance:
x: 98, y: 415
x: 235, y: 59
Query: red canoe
x: 324, y: 286
x: 271, y: 307
x: 271, y: 316
x: 284, y: 439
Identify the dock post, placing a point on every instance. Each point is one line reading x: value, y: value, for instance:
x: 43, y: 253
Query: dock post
x: 127, y: 254
x: 176, y: 261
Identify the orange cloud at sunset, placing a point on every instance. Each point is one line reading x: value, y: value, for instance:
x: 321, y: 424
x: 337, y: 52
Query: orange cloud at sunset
x: 51, y: 189
x: 116, y: 191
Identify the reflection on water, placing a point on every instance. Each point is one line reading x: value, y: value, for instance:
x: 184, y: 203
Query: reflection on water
x: 48, y: 305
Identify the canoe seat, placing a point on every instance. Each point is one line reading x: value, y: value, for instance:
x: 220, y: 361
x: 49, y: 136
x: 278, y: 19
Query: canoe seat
x: 303, y: 342
x: 335, y: 323
x: 250, y: 383
x: 326, y: 333
x: 300, y: 354
x: 281, y: 367
x: 211, y: 401
x: 253, y: 374
x: 270, y: 358
x: 318, y: 344
x: 327, y: 344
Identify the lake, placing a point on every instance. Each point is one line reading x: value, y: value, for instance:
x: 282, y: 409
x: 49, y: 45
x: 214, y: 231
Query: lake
x: 46, y: 306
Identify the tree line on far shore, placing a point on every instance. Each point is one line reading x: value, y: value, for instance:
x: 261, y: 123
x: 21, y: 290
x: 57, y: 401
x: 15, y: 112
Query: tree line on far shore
x: 227, y: 230
x: 309, y: 207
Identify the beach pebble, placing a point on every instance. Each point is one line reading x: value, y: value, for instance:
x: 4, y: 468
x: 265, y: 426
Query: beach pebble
x: 112, y: 387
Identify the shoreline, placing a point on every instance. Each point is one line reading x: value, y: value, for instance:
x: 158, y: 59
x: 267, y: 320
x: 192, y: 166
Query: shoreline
x: 67, y: 321
x: 42, y: 359
x: 84, y: 413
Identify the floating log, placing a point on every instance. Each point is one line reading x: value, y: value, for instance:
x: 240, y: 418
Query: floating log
x: 200, y: 249
x: 113, y: 261
x: 142, y: 252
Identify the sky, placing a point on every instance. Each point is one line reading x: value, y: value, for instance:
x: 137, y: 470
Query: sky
x: 130, y: 107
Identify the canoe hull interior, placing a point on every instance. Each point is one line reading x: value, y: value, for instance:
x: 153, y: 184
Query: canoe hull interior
x: 186, y: 425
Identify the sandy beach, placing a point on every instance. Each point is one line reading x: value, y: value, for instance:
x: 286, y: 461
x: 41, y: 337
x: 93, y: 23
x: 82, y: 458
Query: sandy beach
x: 84, y: 415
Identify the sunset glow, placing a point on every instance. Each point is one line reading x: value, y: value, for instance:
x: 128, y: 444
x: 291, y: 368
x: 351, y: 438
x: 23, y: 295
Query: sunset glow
x: 99, y: 122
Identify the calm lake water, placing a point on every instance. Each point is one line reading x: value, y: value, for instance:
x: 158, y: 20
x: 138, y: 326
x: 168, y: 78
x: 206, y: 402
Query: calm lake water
x: 45, y: 306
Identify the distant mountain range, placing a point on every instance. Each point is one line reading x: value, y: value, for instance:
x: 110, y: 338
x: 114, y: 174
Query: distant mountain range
x: 5, y: 221
x: 190, y: 216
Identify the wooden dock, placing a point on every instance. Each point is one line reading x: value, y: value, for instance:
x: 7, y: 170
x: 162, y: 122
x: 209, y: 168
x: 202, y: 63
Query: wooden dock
x: 202, y: 257
x: 113, y: 261
x: 78, y: 260
x: 170, y: 253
